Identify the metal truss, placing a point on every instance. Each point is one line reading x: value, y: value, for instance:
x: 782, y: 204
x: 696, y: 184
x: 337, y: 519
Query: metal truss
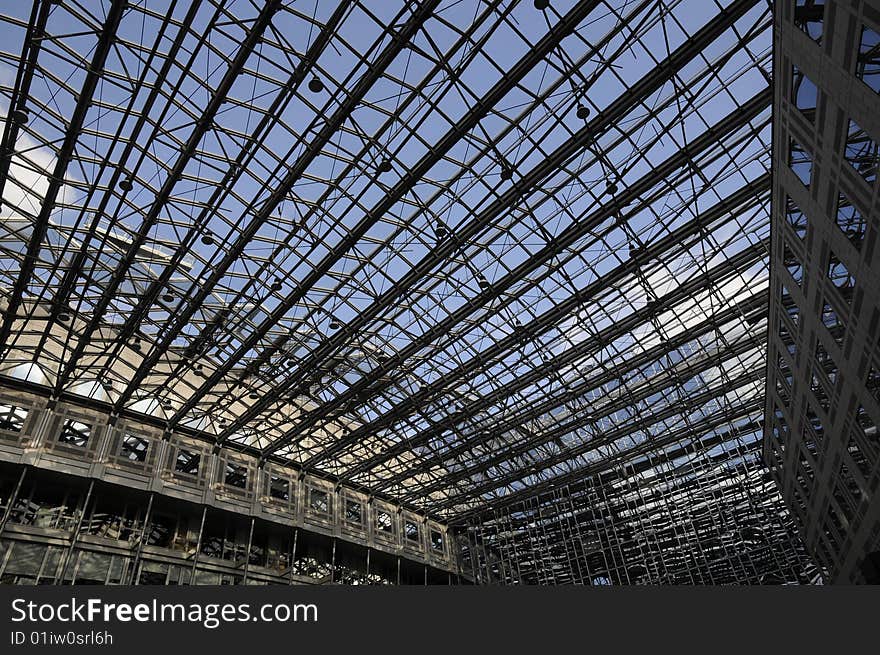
x: 484, y: 257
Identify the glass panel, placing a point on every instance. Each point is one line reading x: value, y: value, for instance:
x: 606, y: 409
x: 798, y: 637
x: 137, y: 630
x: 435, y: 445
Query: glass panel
x: 187, y: 462
x: 804, y: 93
x: 868, y: 62
x: 840, y: 277
x: 12, y: 418
x: 134, y: 447
x: 353, y: 511
x: 793, y: 264
x: 795, y: 217
x: 236, y: 475
x: 801, y: 162
x: 809, y: 16
x: 75, y: 433
x: 850, y: 221
x: 279, y: 488
x: 319, y: 501
x: 861, y: 152
x: 384, y: 521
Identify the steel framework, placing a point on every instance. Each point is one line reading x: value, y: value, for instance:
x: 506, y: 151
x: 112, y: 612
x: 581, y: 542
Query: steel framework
x: 505, y: 263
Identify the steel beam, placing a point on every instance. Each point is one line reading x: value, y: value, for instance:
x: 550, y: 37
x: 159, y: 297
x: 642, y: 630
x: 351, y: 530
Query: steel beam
x: 733, y: 121
x: 56, y: 180
x: 563, y: 359
x: 179, y: 320
x: 200, y: 129
x: 567, y: 25
x: 530, y: 181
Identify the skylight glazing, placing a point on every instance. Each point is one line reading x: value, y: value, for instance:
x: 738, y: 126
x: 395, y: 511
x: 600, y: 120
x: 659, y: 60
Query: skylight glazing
x: 452, y: 251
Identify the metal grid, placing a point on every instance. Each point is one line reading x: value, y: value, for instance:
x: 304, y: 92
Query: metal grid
x: 458, y: 253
